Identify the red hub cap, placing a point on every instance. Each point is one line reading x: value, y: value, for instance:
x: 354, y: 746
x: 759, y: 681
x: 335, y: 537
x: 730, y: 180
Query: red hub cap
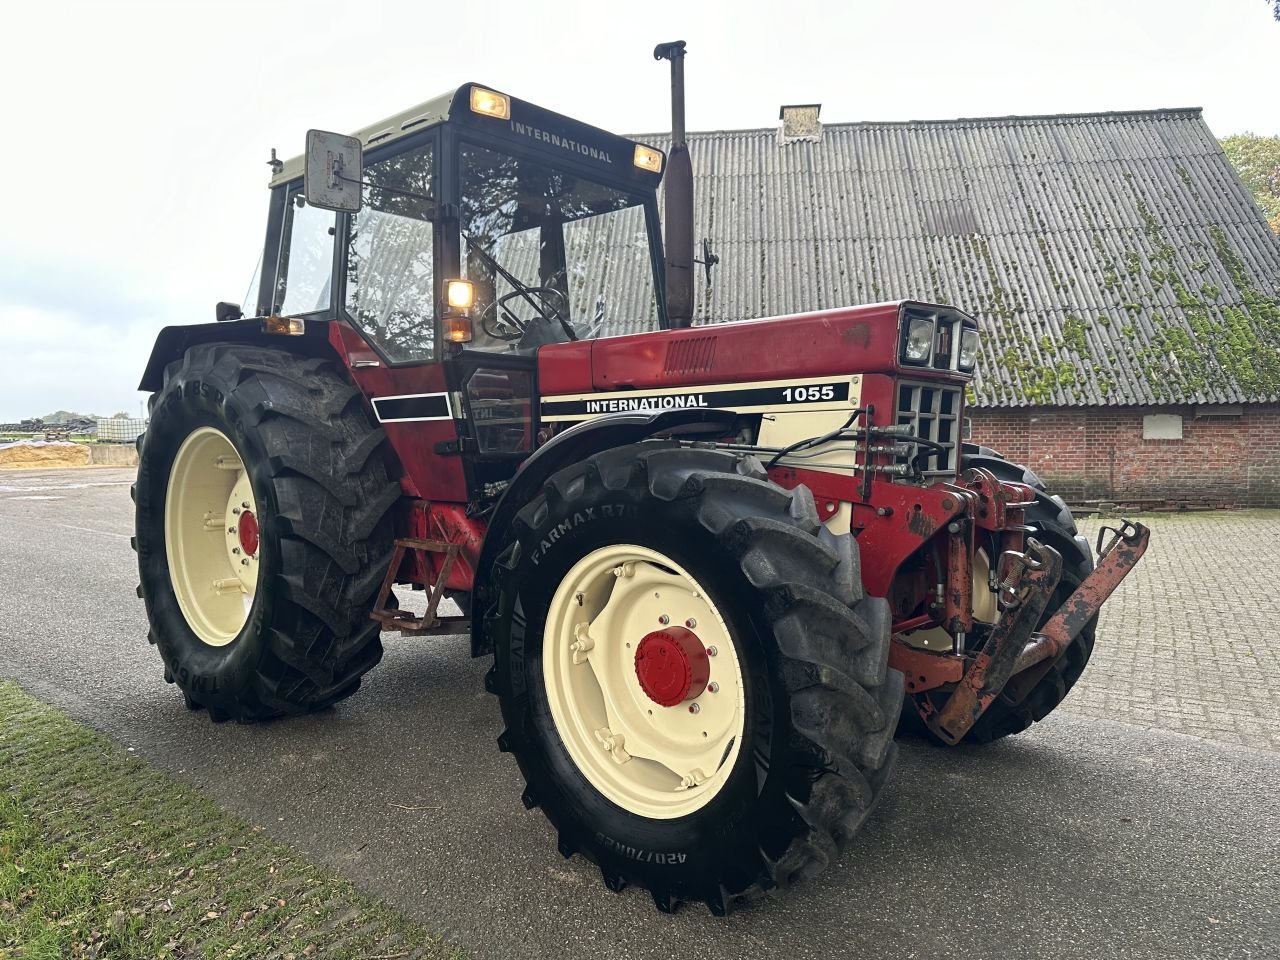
x: 672, y: 666
x: 247, y: 527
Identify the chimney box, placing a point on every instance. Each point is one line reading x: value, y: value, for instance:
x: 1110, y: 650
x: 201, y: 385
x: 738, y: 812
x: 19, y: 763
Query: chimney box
x: 799, y: 122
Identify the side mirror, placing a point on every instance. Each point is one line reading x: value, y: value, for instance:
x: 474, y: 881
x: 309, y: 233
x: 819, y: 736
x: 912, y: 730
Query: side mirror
x: 709, y: 259
x: 332, y: 171
x: 228, y: 311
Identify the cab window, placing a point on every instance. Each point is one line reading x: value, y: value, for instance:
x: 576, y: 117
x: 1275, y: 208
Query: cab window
x: 390, y: 286
x: 304, y: 273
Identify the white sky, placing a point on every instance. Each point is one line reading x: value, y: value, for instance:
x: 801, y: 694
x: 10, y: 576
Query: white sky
x: 135, y: 134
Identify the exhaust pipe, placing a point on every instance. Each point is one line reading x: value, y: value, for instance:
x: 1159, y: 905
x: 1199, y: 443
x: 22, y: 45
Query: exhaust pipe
x: 678, y: 210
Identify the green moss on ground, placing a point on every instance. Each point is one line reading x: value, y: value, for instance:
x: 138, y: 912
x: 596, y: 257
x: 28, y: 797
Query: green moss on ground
x: 104, y: 856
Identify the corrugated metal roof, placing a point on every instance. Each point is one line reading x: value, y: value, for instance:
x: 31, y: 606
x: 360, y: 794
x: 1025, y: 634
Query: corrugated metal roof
x: 1110, y: 258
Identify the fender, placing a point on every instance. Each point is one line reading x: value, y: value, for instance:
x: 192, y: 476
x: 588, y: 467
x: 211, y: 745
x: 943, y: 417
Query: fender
x: 172, y: 343
x: 577, y: 443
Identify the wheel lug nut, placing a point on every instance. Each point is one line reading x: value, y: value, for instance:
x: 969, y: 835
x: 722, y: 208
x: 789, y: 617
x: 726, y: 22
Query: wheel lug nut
x: 245, y: 561
x: 713, y: 687
x: 245, y: 504
x: 694, y: 708
x: 664, y: 619
x: 235, y: 510
x: 691, y: 623
x: 712, y: 651
x: 235, y: 549
x: 231, y: 529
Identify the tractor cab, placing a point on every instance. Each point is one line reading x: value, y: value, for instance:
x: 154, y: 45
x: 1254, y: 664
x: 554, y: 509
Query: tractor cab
x: 474, y: 221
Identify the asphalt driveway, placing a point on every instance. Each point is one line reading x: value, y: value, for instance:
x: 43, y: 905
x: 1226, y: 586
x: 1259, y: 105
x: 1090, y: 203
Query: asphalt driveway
x: 1088, y: 837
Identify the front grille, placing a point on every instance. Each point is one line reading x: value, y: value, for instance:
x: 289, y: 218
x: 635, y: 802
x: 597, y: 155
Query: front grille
x: 931, y: 412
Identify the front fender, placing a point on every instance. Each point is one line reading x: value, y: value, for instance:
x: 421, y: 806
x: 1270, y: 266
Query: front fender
x: 573, y: 445
x: 172, y: 343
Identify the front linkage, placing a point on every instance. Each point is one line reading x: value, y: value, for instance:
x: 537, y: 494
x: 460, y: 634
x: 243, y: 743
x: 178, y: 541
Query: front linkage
x: 1016, y: 655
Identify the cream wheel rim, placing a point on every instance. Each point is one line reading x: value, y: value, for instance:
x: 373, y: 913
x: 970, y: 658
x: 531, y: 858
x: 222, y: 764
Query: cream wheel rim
x: 211, y: 536
x: 653, y: 760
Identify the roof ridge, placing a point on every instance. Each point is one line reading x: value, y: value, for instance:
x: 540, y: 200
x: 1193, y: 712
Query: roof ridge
x: 1189, y: 112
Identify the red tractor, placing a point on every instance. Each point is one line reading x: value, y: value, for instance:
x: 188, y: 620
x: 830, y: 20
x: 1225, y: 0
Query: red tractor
x: 710, y: 565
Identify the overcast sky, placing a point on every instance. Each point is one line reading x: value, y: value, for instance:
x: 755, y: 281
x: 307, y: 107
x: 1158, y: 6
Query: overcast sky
x: 136, y: 134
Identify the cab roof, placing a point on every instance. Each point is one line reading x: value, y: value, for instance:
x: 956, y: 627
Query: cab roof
x: 527, y: 120
x: 425, y: 114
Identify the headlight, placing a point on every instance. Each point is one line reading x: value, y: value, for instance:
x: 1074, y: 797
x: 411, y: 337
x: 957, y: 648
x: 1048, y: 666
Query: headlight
x: 647, y: 158
x: 968, y: 349
x: 919, y: 341
x: 459, y: 294
x: 490, y: 103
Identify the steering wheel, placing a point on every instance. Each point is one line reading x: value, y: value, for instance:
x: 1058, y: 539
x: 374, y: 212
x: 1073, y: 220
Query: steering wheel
x: 501, y: 323
x: 548, y: 298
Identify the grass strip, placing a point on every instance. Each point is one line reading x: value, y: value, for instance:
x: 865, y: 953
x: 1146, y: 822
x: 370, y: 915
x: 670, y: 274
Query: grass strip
x: 102, y: 855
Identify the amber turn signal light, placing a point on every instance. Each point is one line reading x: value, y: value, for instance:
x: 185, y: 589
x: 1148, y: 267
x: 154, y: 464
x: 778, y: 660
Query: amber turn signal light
x: 458, y: 329
x: 284, y: 326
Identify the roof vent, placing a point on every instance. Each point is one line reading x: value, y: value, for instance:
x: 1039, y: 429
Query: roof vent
x: 799, y: 122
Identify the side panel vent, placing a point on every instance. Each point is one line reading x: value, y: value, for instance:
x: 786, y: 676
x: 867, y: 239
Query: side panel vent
x: 695, y: 355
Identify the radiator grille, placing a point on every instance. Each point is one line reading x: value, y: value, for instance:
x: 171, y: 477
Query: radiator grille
x: 931, y: 412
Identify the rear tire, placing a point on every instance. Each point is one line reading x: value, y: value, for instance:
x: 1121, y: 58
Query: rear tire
x: 318, y: 478
x: 819, y: 703
x: 1054, y: 525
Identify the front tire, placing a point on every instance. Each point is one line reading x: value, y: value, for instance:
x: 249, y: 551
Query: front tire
x: 1052, y: 523
x: 274, y: 620
x: 801, y: 728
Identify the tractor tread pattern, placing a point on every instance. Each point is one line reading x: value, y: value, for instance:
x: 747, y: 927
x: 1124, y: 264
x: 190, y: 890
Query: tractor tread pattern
x: 329, y: 467
x: 832, y: 653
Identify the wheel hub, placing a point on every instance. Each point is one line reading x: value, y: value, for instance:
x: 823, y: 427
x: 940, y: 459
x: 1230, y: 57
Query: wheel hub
x: 630, y: 692
x: 672, y: 666
x: 247, y: 528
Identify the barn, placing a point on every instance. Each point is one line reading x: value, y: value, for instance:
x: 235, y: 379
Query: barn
x: 1127, y: 286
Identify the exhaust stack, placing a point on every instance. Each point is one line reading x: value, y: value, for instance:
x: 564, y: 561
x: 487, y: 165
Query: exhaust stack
x: 678, y: 210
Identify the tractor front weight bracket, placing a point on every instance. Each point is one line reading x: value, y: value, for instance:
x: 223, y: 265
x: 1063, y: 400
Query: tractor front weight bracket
x: 1017, y: 656
x: 1116, y: 558
x: 1029, y: 581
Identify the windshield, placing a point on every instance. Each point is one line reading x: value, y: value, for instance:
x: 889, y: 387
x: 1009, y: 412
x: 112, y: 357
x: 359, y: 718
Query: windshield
x: 553, y: 256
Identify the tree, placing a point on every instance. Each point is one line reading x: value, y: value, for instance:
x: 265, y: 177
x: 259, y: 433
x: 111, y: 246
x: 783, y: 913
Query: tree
x: 1257, y: 160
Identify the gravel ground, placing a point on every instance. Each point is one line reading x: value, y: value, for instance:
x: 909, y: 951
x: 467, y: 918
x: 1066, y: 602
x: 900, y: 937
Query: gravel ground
x: 1086, y: 838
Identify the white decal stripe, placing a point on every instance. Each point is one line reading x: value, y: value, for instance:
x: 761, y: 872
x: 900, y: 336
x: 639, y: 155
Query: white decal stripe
x: 406, y: 407
x: 808, y: 394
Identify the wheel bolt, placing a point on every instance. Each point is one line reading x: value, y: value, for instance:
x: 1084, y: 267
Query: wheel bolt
x: 691, y: 623
x: 245, y: 561
x: 694, y: 708
x: 235, y: 549
x: 664, y: 619
x: 712, y: 651
x: 245, y: 504
x: 713, y: 687
x: 579, y: 598
x: 235, y: 510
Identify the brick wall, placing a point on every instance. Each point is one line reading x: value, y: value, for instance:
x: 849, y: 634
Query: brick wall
x: 1098, y: 453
